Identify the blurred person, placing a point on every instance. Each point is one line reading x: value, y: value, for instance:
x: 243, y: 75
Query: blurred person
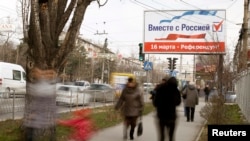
x: 206, y: 91
x: 131, y: 103
x: 213, y: 94
x: 167, y: 98
x: 198, y: 87
x: 183, y: 99
x: 40, y: 110
x: 192, y: 99
x: 153, y: 92
x: 82, y: 126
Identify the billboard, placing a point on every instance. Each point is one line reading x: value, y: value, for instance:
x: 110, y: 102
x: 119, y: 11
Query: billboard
x: 185, y: 31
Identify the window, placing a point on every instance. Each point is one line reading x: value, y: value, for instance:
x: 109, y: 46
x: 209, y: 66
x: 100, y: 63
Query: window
x: 24, y: 76
x: 16, y: 75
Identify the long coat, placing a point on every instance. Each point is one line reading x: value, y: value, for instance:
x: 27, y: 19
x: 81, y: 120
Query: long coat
x: 131, y: 101
x: 166, y: 99
x: 192, y: 98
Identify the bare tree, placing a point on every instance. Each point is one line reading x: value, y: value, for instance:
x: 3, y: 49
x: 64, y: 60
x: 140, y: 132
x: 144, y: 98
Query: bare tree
x: 45, y: 21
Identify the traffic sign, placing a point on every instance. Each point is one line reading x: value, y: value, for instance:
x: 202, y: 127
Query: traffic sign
x: 148, y: 65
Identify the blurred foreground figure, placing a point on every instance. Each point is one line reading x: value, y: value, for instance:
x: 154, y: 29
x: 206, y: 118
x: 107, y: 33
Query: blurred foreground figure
x: 131, y: 103
x: 166, y: 99
x: 82, y: 125
x: 40, y: 108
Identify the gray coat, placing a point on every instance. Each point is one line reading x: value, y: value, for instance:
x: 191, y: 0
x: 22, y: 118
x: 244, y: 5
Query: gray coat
x: 131, y: 101
x: 192, y: 98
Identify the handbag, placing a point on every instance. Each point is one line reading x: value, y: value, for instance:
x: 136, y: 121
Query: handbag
x: 140, y: 128
x: 184, y: 96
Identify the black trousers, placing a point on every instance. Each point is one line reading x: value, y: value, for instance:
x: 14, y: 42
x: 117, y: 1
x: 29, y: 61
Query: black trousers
x: 206, y: 98
x: 130, y: 121
x: 170, y: 126
x: 190, y: 113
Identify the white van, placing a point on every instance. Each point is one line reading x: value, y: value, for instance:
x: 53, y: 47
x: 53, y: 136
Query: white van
x: 12, y: 79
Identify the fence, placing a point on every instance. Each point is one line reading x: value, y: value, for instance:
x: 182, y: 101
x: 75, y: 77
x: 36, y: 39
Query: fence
x: 242, y: 88
x: 10, y: 104
x: 12, y: 107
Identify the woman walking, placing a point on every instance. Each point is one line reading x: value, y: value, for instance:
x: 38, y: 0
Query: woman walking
x: 131, y: 103
x: 192, y: 99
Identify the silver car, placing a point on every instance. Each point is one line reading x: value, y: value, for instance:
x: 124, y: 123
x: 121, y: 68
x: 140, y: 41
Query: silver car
x: 70, y: 95
x: 101, y: 92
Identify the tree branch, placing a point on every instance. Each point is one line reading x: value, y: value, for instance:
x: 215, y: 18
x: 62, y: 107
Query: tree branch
x: 69, y: 41
x: 64, y: 17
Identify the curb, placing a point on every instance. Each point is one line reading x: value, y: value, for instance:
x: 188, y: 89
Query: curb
x: 202, y: 129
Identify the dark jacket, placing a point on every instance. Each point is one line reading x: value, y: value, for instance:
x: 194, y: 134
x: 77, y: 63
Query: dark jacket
x: 207, y: 90
x: 131, y: 101
x: 166, y: 99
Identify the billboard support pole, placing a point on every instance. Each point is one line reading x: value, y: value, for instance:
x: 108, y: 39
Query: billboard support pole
x: 220, y: 73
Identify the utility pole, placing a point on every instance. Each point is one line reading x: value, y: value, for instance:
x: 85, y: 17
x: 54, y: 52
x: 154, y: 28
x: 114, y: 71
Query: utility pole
x: 105, y: 45
x: 103, y: 59
x: 245, y: 36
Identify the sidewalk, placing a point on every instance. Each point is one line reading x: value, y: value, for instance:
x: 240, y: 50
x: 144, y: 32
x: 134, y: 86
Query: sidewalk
x: 185, y: 131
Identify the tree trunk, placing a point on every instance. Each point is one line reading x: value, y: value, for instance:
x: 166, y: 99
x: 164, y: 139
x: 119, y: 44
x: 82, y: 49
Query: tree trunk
x: 45, y: 58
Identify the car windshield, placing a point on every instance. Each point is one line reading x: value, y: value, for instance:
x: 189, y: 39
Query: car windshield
x: 79, y: 83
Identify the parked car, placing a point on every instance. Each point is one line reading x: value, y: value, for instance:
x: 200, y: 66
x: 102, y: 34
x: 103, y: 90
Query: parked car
x: 82, y: 84
x: 70, y: 94
x: 12, y: 79
x: 101, y: 92
x: 230, y: 97
x: 147, y: 87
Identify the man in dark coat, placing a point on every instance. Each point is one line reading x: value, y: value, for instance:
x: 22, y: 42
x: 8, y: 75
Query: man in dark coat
x: 166, y: 99
x: 153, y: 92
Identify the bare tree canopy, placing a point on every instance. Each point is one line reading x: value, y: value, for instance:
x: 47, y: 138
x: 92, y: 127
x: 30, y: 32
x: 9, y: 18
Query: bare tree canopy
x: 47, y: 21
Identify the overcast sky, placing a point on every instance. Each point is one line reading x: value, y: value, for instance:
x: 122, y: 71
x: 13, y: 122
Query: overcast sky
x: 122, y: 20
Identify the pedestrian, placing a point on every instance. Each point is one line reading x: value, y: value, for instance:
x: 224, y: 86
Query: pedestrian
x: 198, y: 89
x: 192, y: 99
x: 166, y: 100
x: 153, y: 92
x: 207, y: 92
x: 183, y: 99
x: 131, y: 103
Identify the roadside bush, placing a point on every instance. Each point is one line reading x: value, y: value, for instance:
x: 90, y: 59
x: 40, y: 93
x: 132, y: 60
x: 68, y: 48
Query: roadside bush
x: 217, y: 112
x: 214, y: 111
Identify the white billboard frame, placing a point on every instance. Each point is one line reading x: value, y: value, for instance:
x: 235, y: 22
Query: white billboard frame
x: 185, y: 31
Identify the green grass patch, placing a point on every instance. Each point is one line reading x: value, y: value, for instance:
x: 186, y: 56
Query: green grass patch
x: 104, y: 117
